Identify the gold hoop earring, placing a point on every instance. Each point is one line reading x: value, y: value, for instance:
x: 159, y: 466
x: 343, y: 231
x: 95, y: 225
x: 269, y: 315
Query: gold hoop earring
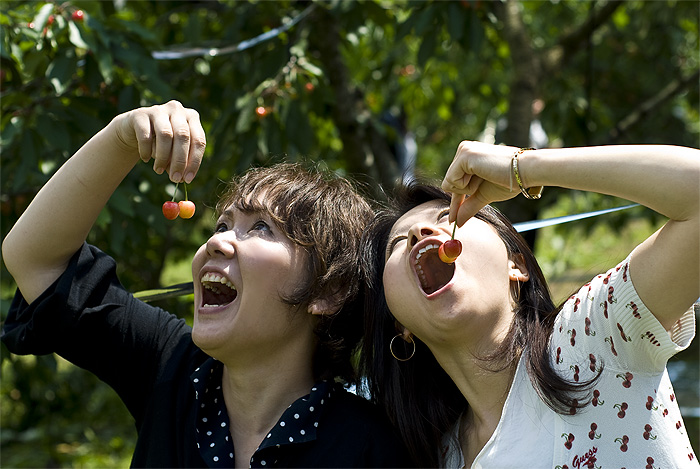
x: 516, y: 293
x: 391, y: 349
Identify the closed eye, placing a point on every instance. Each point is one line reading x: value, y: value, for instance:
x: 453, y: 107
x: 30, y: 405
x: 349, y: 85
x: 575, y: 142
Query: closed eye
x: 392, y: 245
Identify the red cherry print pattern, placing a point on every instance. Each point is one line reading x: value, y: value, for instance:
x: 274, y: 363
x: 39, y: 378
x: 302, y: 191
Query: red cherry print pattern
x: 652, y: 338
x: 611, y: 299
x: 572, y: 333
x: 673, y: 397
x: 650, y: 405
x: 635, y: 310
x: 650, y: 463
x: 576, y: 371
x: 559, y: 359
x: 624, y: 274
x: 587, y: 330
x: 605, y: 309
x: 623, y: 408
x: 578, y: 302
x: 678, y: 425
x: 624, y: 440
x: 592, y: 359
x: 612, y: 345
x: 592, y: 434
x: 647, y: 433
x: 574, y: 406
x: 627, y: 379
x: 596, y: 401
x: 622, y: 334
x: 569, y: 440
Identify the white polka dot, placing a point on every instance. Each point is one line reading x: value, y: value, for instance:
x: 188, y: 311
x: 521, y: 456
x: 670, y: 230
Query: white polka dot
x: 223, y: 424
x: 216, y: 458
x: 226, y: 437
x: 208, y: 433
x: 197, y: 445
x: 315, y: 424
x: 212, y: 445
x: 196, y: 380
x: 313, y: 389
x: 196, y: 370
x: 282, y: 424
x: 217, y: 400
x: 291, y: 439
x: 321, y: 401
x: 230, y: 455
x: 269, y: 435
x: 302, y: 432
x: 204, y: 419
x: 202, y: 406
x: 311, y: 408
x: 263, y: 463
x: 296, y: 416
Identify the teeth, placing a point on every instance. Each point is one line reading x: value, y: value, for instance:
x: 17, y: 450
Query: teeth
x: 423, y: 250
x: 210, y: 279
x: 419, y: 269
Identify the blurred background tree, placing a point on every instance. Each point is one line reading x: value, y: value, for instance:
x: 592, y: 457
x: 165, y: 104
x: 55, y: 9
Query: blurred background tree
x: 377, y: 90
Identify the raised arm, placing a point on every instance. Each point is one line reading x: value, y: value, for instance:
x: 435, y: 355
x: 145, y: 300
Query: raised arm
x: 665, y: 268
x: 37, y: 249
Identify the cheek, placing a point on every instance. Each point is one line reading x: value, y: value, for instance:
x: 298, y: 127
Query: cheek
x: 198, y: 260
x: 394, y: 291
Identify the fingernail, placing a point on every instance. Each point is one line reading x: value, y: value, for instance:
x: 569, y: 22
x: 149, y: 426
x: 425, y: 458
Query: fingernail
x: 177, y: 177
x: 159, y: 170
x: 189, y: 177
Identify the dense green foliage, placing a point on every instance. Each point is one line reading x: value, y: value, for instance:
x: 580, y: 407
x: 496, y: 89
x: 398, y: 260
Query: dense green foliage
x: 328, y: 89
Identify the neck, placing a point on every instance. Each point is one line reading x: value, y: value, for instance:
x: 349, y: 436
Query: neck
x: 485, y: 391
x: 257, y: 395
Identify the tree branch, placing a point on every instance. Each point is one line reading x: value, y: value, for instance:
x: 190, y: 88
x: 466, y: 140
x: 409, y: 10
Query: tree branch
x: 666, y: 93
x: 575, y: 40
x: 365, y: 149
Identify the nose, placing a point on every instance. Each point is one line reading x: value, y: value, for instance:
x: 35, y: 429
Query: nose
x: 419, y: 232
x: 219, y: 245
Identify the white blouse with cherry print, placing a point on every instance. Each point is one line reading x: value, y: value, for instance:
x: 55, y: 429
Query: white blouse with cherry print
x: 633, y: 419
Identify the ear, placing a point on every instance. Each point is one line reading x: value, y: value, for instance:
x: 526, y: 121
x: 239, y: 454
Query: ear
x: 517, y: 270
x: 327, y: 305
x: 403, y: 331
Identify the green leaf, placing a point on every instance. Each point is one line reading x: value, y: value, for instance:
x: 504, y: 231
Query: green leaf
x: 60, y: 71
x: 43, y: 16
x: 76, y: 37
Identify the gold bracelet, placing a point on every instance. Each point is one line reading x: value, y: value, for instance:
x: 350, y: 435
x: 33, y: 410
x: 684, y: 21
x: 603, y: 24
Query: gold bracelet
x: 532, y: 193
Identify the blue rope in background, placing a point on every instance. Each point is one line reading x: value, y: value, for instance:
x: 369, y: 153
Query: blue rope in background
x: 188, y: 287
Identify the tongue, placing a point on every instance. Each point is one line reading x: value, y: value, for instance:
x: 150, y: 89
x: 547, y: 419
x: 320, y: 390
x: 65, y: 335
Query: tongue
x: 437, y: 274
x: 224, y: 297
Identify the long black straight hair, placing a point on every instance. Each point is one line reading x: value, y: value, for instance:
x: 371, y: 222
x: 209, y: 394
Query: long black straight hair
x: 420, y: 398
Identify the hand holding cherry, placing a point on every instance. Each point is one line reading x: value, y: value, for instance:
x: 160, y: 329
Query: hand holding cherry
x: 183, y: 209
x: 449, y: 251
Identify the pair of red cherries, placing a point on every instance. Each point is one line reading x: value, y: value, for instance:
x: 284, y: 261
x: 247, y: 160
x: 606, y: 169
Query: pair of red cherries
x: 183, y: 209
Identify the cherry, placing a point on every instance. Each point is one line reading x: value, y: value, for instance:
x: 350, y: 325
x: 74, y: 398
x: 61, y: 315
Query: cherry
x: 78, y: 15
x: 186, y: 208
x: 171, y: 209
x: 450, y: 250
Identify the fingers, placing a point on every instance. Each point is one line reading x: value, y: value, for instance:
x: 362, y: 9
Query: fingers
x: 198, y: 143
x: 173, y: 136
x: 470, y: 207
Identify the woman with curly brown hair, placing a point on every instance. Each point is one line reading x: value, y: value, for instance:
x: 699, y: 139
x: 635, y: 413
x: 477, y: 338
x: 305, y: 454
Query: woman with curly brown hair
x: 257, y: 381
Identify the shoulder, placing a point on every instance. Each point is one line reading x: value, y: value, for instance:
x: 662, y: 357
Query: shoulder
x: 356, y: 426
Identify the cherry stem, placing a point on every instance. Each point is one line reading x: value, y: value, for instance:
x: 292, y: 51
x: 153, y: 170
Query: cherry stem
x: 175, y: 192
x: 453, y: 230
x: 186, y: 191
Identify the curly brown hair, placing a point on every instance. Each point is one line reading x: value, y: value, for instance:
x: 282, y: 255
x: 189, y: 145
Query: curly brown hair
x: 325, y: 215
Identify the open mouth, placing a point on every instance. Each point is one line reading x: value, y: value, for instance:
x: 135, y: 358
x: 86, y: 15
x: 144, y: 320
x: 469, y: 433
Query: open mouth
x: 217, y: 290
x: 433, y: 274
